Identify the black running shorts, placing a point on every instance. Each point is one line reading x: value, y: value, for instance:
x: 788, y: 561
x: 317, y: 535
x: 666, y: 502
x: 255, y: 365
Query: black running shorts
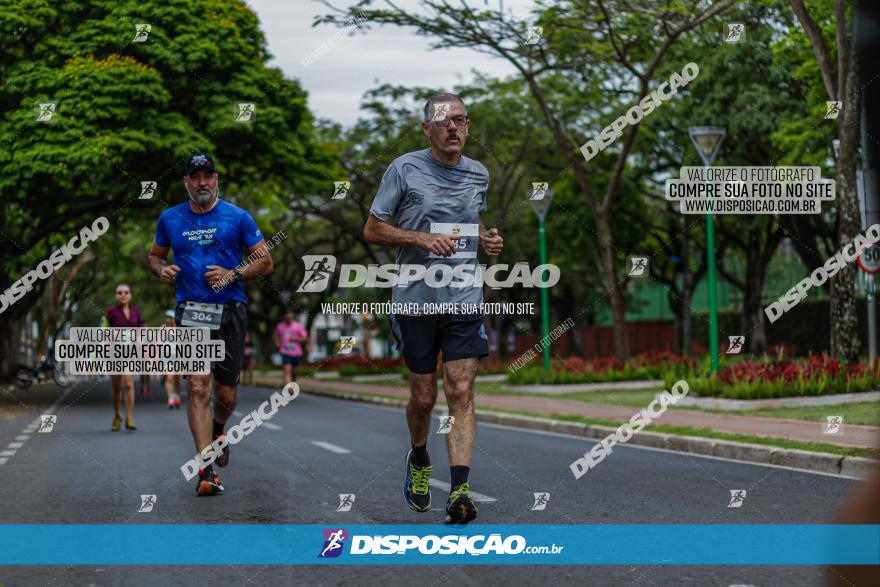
x: 233, y: 327
x: 421, y: 338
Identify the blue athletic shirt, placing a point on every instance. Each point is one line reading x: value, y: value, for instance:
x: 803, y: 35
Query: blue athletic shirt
x: 198, y: 240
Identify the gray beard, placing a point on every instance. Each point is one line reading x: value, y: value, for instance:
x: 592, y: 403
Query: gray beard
x: 204, y: 199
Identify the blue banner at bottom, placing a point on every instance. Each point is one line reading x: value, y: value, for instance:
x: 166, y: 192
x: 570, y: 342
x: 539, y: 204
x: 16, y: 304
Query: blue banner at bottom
x: 248, y: 544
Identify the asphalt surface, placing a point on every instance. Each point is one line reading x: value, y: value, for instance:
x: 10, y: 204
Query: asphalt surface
x: 316, y: 448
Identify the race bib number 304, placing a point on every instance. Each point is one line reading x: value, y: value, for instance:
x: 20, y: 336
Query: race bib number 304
x: 201, y: 315
x: 467, y: 238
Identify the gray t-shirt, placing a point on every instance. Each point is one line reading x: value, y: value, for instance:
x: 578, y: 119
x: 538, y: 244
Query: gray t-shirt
x: 420, y: 193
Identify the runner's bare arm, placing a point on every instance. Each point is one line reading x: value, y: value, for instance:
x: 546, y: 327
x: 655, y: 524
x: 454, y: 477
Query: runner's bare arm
x: 158, y: 265
x: 492, y: 241
x: 381, y: 233
x: 261, y: 266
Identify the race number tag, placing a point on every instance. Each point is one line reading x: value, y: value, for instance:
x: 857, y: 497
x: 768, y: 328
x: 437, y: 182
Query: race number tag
x: 467, y: 238
x: 290, y: 346
x: 200, y: 315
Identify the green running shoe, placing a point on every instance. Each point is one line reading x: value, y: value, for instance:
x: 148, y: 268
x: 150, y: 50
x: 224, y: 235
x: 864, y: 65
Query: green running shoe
x: 460, y: 508
x: 416, y: 490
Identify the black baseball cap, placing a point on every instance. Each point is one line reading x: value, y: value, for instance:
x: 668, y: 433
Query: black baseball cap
x: 198, y: 161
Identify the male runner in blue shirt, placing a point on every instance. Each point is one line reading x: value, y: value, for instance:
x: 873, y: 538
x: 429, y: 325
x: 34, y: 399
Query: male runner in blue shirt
x: 207, y: 236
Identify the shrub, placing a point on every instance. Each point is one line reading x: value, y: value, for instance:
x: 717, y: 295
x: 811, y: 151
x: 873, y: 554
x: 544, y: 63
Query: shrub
x: 651, y: 365
x: 764, y: 379
x: 492, y: 367
x: 349, y: 365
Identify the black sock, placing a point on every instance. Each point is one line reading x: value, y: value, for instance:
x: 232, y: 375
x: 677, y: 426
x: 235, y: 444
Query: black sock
x: 209, y: 468
x: 420, y: 456
x: 218, y: 428
x: 459, y: 475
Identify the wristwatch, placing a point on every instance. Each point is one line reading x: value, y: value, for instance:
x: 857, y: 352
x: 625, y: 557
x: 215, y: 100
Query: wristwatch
x: 237, y: 274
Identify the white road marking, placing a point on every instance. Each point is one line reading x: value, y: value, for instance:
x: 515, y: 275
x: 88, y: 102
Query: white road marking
x: 29, y: 429
x: 474, y: 495
x: 331, y: 447
x: 268, y: 425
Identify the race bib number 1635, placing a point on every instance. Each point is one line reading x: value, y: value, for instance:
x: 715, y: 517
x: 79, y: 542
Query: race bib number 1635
x: 467, y: 238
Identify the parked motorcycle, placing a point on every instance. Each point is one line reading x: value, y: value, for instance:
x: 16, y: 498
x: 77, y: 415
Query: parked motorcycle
x: 28, y: 375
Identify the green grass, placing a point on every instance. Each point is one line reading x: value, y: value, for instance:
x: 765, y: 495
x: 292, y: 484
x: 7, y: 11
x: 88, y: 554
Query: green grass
x: 867, y: 413
x: 636, y: 397
x: 708, y: 433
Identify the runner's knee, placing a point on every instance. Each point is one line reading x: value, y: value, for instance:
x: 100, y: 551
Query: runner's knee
x: 458, y: 381
x: 225, y: 396
x: 459, y: 394
x: 423, y: 392
x: 422, y: 403
x: 199, y: 390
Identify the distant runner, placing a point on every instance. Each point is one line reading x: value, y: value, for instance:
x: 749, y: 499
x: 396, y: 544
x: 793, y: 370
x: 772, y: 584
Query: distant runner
x: 291, y: 337
x: 172, y: 380
x: 123, y: 315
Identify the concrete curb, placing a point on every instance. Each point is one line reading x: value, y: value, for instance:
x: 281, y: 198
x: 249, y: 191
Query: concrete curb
x: 377, y: 377
x: 739, y: 451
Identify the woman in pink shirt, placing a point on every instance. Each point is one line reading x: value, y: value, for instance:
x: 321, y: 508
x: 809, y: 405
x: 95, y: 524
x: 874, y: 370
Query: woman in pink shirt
x: 290, y: 336
x: 123, y: 315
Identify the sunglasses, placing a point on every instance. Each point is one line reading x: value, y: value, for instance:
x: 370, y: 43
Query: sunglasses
x: 119, y: 293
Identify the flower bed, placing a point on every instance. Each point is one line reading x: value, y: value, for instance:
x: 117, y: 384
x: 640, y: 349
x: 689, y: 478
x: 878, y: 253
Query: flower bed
x: 651, y: 365
x: 350, y: 365
x: 492, y: 367
x: 816, y: 375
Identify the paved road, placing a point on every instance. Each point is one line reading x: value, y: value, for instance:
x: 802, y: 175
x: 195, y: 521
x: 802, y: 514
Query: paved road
x: 317, y: 448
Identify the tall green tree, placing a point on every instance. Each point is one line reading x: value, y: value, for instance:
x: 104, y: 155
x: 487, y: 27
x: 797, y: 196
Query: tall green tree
x: 127, y: 109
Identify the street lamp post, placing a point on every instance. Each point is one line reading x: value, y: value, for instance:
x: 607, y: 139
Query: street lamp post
x: 540, y: 201
x: 707, y: 140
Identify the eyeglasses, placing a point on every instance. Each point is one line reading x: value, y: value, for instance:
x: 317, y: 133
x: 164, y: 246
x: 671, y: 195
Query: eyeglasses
x: 458, y: 120
x: 123, y: 293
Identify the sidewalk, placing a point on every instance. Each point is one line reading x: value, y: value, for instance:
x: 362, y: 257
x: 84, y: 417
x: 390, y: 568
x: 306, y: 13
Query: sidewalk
x: 799, y: 430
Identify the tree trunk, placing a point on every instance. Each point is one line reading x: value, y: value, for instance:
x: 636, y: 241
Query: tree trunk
x: 686, y: 290
x: 676, y: 307
x: 10, y: 333
x: 845, y: 342
x: 752, y: 318
x: 615, y: 289
x: 13, y: 320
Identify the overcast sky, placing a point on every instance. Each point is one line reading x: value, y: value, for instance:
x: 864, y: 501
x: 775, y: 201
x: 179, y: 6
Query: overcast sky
x: 337, y: 80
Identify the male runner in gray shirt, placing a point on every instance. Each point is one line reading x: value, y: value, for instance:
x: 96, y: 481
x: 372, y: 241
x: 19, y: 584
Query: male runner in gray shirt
x: 435, y: 197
